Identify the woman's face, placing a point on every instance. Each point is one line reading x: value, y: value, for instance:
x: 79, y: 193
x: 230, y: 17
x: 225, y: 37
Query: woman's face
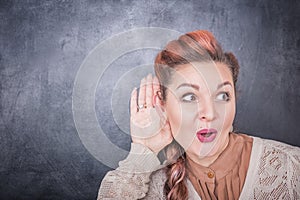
x: 200, y: 106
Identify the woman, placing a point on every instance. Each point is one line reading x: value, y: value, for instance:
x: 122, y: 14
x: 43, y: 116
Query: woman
x: 188, y: 111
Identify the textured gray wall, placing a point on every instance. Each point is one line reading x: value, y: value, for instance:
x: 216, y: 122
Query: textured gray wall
x: 43, y: 43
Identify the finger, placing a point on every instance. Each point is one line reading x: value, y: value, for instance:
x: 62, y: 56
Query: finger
x: 149, y: 91
x: 142, y: 91
x: 156, y: 88
x: 133, y: 102
x: 161, y: 114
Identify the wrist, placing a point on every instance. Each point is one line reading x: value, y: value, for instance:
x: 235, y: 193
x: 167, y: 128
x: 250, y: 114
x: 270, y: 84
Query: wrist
x: 140, y: 159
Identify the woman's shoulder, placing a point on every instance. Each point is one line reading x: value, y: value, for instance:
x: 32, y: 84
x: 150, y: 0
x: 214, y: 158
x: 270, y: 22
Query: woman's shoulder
x: 159, y: 176
x: 276, y: 147
x: 156, y: 185
x: 271, y: 145
x: 273, y: 170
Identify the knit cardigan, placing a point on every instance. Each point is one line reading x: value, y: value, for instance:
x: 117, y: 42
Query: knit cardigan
x: 273, y: 173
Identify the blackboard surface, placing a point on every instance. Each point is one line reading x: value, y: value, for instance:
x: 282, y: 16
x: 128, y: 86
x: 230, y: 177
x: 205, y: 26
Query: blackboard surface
x: 43, y: 44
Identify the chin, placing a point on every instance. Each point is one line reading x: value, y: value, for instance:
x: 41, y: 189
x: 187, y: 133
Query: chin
x: 203, y: 150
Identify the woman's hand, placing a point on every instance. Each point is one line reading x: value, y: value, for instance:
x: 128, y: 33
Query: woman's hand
x: 148, y: 123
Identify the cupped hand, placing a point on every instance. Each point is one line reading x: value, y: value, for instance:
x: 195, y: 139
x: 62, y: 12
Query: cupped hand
x: 148, y: 122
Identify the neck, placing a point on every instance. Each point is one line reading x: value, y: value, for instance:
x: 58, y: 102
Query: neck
x: 206, y: 161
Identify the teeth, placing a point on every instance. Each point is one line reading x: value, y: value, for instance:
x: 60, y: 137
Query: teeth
x: 207, y: 134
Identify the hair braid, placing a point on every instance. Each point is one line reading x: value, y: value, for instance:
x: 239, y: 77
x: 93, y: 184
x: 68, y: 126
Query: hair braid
x: 175, y: 186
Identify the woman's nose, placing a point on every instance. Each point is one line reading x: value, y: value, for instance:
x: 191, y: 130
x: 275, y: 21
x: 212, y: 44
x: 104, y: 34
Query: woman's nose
x: 207, y: 111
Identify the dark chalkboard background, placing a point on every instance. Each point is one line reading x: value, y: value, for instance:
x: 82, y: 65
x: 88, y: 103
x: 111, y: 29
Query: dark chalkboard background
x: 43, y: 43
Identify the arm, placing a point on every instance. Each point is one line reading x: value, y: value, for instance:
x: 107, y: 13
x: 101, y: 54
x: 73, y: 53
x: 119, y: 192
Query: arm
x: 131, y: 179
x: 150, y: 133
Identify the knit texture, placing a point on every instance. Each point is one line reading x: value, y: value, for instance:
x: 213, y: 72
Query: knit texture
x: 273, y: 173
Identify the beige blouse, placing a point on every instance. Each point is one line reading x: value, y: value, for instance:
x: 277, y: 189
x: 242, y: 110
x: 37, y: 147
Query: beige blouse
x: 223, y: 179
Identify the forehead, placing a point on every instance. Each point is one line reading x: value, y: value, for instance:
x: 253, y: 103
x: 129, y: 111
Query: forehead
x: 208, y: 74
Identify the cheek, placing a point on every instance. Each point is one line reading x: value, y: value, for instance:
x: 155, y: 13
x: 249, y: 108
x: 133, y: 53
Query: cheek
x: 174, y: 116
x: 181, y: 115
x: 182, y: 121
x: 226, y: 113
x: 230, y: 112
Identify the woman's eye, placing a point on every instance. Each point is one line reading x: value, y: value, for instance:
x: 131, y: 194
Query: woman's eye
x: 224, y: 96
x: 189, y: 98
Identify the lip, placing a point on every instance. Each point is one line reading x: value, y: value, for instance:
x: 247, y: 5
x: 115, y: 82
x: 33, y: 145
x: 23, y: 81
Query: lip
x: 201, y: 135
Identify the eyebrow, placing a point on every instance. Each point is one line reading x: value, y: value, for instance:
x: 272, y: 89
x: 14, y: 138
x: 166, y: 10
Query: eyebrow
x: 223, y: 84
x: 196, y: 87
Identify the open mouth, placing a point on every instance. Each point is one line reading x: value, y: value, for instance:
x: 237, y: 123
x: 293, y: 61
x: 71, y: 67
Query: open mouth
x: 207, y: 135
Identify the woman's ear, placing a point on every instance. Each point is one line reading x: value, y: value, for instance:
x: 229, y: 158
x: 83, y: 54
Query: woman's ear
x: 159, y: 95
x: 158, y: 100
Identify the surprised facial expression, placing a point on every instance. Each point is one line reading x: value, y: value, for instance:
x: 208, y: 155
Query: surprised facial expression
x: 200, y: 106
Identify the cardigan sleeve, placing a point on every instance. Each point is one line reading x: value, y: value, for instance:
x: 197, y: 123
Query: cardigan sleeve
x: 131, y: 179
